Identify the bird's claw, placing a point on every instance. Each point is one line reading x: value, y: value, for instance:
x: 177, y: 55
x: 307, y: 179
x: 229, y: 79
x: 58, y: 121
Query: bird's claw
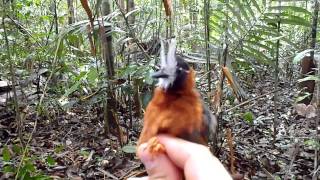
x: 155, y: 147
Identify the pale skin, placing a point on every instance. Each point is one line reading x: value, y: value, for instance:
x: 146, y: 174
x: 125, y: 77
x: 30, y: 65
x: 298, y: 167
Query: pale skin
x: 182, y: 158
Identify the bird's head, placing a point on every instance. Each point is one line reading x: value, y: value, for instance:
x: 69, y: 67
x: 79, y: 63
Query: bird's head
x: 173, y: 71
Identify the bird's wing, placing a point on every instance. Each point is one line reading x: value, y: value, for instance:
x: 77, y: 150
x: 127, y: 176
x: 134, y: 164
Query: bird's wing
x: 210, y: 124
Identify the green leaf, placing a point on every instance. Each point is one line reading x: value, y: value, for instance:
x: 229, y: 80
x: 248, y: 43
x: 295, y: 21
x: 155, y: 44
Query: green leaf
x: 257, y: 44
x: 148, y: 79
x: 255, y: 38
x: 6, y: 154
x: 59, y: 148
x: 84, y: 153
x: 296, y: 21
x: 260, y: 57
x: 243, y: 11
x: 292, y: 20
x: 248, y: 117
x: 8, y: 169
x: 146, y: 97
x: 131, y: 12
x: 41, y: 177
x: 126, y: 71
x: 92, y: 75
x: 233, y: 34
x: 130, y: 149
x: 312, y: 143
x: 29, y: 166
x: 216, y: 27
x: 309, y: 78
x: 17, y: 149
x: 264, y: 3
x: 234, y: 26
x: 301, y: 55
x: 255, y: 4
x: 291, y: 8
x: 300, y: 98
x: 266, y: 32
x: 51, y: 161
x: 72, y: 89
x: 253, y: 57
x: 237, y: 15
x: 249, y: 8
x: 60, y: 48
x: 275, y: 38
x: 289, y: 41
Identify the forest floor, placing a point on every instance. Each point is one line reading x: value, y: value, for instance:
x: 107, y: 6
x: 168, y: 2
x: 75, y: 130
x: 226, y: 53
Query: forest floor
x: 72, y: 145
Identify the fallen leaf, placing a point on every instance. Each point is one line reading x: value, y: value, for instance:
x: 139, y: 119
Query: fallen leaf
x: 68, y: 142
x: 306, y: 111
x: 300, y: 109
x: 310, y: 111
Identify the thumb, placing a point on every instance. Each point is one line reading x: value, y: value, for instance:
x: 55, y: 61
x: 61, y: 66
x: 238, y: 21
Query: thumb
x: 158, y: 166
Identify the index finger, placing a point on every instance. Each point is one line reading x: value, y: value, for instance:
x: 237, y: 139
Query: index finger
x: 179, y: 150
x: 196, y: 160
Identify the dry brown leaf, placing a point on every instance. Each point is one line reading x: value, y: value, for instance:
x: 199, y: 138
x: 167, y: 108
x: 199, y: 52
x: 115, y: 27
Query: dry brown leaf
x: 310, y: 111
x: 300, y: 109
x: 216, y: 100
x: 306, y: 111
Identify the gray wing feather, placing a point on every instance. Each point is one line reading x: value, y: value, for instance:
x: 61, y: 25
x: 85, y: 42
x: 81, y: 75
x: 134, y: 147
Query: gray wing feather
x: 210, y: 123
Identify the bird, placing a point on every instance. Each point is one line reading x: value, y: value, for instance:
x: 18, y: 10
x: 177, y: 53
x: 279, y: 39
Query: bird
x: 176, y: 107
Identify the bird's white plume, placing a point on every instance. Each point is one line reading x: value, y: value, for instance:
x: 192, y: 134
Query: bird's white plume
x: 171, y: 57
x: 162, y: 54
x: 168, y: 63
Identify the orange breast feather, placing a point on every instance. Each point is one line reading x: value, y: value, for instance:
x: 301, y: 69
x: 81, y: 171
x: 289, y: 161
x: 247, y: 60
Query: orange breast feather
x: 176, y: 113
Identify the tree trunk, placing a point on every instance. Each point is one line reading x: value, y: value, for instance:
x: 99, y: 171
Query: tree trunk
x: 110, y: 107
x: 71, y: 18
x: 55, y: 14
x: 207, y: 40
x: 130, y: 7
x: 136, y: 84
x: 121, y: 3
x: 313, y: 45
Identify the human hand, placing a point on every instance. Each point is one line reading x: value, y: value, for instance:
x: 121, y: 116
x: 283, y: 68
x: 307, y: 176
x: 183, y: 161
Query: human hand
x: 182, y: 159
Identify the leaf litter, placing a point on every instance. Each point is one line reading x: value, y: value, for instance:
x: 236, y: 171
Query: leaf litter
x: 72, y: 144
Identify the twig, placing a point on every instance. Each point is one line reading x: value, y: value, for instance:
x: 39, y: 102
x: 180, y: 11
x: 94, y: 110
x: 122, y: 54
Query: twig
x: 270, y: 153
x: 250, y: 100
x: 14, y: 81
x: 131, y: 34
x: 26, y: 148
x: 85, y: 165
x: 125, y: 176
x: 106, y: 173
x: 231, y: 150
x: 316, y: 171
x: 276, y: 82
x: 268, y: 173
x: 25, y: 31
x: 137, y: 174
x: 293, y: 157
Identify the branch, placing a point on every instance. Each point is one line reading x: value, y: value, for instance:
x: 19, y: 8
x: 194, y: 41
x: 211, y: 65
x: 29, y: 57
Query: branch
x: 131, y: 34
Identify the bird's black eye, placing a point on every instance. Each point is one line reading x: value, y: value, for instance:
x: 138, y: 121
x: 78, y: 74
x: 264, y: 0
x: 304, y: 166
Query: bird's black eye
x: 180, y: 69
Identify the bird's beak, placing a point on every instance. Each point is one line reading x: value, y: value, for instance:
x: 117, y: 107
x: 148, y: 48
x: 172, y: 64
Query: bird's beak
x: 159, y: 74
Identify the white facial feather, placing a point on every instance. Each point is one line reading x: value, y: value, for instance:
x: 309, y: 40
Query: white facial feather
x: 168, y: 64
x: 171, y: 58
x: 162, y: 54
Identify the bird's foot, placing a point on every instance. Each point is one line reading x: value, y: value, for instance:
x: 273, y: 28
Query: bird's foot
x: 155, y: 147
